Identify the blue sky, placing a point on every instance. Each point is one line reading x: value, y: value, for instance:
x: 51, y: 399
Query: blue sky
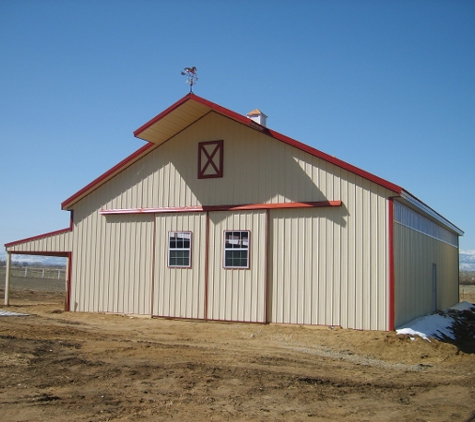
x: 388, y: 86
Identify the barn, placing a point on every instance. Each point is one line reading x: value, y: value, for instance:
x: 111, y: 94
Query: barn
x: 217, y: 217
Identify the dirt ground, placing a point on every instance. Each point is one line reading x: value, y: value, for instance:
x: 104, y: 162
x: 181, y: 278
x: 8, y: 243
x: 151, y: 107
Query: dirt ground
x: 62, y: 366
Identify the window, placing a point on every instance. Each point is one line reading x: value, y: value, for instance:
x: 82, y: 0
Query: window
x: 236, y: 249
x: 210, y: 159
x: 179, y: 249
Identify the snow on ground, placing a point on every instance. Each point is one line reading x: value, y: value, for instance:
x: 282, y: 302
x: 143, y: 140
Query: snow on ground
x: 437, y: 325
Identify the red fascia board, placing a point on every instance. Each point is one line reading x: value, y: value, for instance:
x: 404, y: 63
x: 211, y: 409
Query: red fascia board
x: 38, y: 237
x: 163, y: 114
x: 68, y: 202
x: 337, y: 162
x: 216, y: 107
x: 241, y: 119
x: 292, y: 142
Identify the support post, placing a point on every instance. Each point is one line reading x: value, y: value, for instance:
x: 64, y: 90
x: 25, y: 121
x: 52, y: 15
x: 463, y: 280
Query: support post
x: 7, y: 279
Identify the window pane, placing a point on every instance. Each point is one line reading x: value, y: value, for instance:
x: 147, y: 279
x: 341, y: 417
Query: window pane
x: 179, y: 250
x: 236, y: 258
x: 179, y: 258
x: 236, y: 249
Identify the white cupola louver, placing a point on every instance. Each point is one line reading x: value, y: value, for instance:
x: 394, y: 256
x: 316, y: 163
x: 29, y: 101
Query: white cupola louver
x: 258, y: 116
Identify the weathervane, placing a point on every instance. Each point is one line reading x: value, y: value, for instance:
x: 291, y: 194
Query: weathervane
x: 190, y: 72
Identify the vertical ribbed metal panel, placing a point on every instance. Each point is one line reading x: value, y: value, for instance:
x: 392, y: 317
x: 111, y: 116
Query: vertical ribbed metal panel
x: 237, y: 294
x: 61, y: 242
x: 180, y: 292
x: 414, y: 255
x: 257, y: 169
x: 111, y: 261
x: 329, y: 265
x: 344, y: 265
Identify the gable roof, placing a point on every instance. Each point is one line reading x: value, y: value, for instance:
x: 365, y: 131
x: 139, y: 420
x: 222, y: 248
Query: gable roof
x: 187, y: 111
x: 190, y: 109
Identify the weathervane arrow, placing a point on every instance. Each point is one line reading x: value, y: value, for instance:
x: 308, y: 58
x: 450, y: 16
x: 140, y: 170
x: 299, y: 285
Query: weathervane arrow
x: 192, y: 77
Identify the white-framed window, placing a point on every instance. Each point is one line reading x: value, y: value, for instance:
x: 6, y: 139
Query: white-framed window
x: 236, y: 249
x: 179, y: 249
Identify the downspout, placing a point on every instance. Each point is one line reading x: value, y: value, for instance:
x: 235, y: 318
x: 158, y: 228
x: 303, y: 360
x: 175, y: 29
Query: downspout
x: 7, y: 279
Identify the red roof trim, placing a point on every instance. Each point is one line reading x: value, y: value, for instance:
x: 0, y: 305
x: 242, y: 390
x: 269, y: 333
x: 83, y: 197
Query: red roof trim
x: 241, y: 119
x: 38, y: 237
x: 292, y: 142
x: 163, y: 114
x: 91, y: 186
x: 340, y: 163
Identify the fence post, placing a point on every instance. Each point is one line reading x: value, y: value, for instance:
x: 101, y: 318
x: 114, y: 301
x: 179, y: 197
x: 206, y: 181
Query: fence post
x: 7, y: 279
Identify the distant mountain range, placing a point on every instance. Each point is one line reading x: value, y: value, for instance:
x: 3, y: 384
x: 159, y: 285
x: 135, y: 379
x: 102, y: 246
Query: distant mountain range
x: 466, y: 262
x: 43, y: 261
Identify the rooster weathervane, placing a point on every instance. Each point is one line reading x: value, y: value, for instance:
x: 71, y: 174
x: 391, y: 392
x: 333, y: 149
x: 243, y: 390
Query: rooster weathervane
x: 190, y: 72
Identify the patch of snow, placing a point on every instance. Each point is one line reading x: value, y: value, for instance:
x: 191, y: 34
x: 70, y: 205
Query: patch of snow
x: 437, y: 325
x: 433, y: 325
x: 4, y: 313
x: 412, y: 333
x: 463, y: 306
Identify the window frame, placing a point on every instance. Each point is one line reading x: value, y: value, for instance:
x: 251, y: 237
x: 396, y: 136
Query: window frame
x: 248, y: 249
x: 170, y: 249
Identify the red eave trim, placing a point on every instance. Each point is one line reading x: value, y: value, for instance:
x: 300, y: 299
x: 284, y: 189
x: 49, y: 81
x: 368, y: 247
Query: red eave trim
x: 208, y: 208
x: 238, y: 118
x: 70, y: 201
x: 42, y: 236
x: 216, y: 107
x: 292, y: 142
x: 336, y: 161
x: 33, y: 238
x: 163, y: 114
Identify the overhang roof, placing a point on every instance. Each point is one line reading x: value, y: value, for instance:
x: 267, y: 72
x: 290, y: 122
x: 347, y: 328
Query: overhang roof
x: 190, y: 109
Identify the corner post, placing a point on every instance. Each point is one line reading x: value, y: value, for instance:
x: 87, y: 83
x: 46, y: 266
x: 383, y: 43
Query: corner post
x: 7, y: 279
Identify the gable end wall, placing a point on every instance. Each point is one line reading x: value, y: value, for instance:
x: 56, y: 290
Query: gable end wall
x: 347, y: 256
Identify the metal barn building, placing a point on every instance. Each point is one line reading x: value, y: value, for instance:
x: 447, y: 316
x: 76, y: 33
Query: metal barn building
x: 218, y: 217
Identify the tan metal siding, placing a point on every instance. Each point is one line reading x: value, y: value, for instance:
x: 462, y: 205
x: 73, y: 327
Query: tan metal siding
x: 414, y: 254
x: 351, y: 283
x: 180, y: 292
x: 257, y: 169
x: 61, y: 242
x: 237, y: 294
x: 111, y: 261
x: 329, y: 265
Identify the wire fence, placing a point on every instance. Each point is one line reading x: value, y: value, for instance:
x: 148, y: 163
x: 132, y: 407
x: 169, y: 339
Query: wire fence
x: 35, y: 272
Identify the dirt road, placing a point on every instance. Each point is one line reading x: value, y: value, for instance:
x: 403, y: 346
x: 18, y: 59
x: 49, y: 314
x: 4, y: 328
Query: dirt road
x: 59, y: 366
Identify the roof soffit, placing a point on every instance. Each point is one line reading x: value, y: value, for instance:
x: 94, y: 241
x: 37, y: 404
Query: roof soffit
x: 165, y: 126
